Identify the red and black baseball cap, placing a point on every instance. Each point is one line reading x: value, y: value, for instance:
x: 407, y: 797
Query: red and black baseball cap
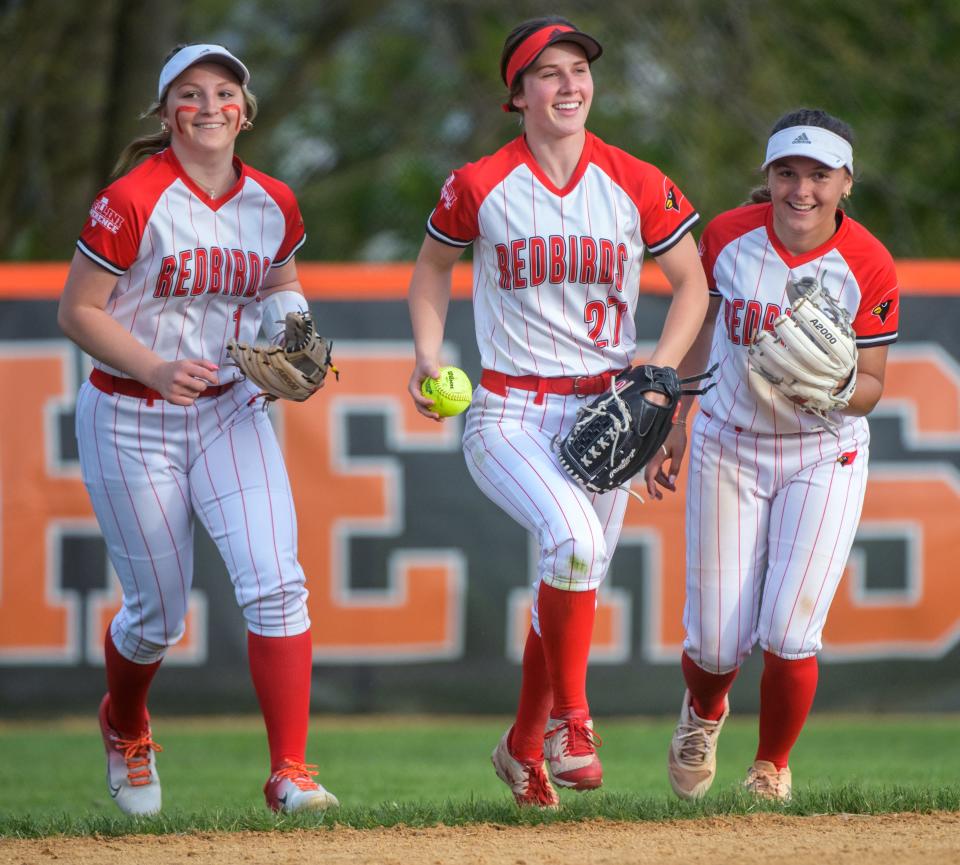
x: 528, y: 46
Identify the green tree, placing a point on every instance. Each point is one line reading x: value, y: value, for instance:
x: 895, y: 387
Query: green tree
x: 367, y: 105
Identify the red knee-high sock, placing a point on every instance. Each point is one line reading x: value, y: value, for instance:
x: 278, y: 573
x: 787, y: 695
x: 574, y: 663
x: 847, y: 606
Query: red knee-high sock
x: 707, y: 690
x: 787, y: 689
x: 566, y: 628
x: 280, y: 669
x: 128, y: 683
x: 536, y: 700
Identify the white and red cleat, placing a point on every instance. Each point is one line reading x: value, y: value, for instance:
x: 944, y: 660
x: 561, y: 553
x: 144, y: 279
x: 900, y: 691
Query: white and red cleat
x: 132, y: 777
x: 571, y: 749
x: 292, y: 788
x: 527, y: 781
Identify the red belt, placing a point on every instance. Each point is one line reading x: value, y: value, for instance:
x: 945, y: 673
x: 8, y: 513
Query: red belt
x: 129, y: 387
x: 580, y: 385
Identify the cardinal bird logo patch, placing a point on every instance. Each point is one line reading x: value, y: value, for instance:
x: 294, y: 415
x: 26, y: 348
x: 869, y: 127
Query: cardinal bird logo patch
x: 847, y: 458
x: 670, y: 202
x: 882, y: 310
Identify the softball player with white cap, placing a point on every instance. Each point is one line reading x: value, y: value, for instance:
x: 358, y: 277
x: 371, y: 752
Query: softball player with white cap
x: 773, y: 498
x: 187, y: 250
x: 559, y: 222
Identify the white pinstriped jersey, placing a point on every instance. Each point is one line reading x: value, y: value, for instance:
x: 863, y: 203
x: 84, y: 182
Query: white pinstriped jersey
x: 556, y: 272
x: 190, y: 267
x: 748, y: 267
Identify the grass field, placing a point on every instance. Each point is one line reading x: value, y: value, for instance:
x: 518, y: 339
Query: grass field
x: 421, y: 771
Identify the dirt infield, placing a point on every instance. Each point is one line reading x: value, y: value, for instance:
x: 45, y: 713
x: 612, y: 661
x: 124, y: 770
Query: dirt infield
x: 760, y: 839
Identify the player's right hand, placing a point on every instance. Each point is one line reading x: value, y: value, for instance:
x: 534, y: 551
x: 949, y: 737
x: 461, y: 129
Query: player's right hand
x: 657, y: 473
x: 181, y: 381
x: 423, y: 370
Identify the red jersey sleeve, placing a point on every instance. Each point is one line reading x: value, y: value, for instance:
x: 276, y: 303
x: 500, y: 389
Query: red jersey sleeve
x: 120, y: 213
x: 111, y: 236
x: 666, y: 213
x: 877, y: 320
x: 724, y: 229
x: 294, y: 235
x: 454, y: 219
x: 708, y: 256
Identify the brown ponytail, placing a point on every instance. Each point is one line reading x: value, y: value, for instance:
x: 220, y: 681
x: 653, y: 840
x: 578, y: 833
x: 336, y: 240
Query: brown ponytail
x: 142, y: 146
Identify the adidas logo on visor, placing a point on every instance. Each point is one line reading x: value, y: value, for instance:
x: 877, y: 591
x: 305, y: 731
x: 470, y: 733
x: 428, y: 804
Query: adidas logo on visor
x: 801, y: 139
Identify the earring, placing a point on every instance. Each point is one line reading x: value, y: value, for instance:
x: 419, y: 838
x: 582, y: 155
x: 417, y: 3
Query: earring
x: 164, y: 129
x: 246, y: 125
x: 846, y: 195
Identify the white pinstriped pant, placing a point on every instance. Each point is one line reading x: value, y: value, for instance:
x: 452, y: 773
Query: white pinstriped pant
x: 771, y: 520
x: 507, y: 445
x: 149, y: 470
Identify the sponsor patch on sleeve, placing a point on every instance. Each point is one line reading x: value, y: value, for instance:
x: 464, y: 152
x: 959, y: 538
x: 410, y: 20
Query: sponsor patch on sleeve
x: 448, y: 195
x: 102, y: 213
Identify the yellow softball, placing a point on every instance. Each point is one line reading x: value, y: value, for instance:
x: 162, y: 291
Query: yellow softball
x: 451, y: 392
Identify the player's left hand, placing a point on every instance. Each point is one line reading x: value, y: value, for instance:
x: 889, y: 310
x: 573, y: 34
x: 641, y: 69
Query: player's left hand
x: 656, y: 397
x: 810, y: 355
x: 295, y: 370
x: 662, y: 470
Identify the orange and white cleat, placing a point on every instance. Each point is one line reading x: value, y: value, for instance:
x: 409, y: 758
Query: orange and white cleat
x: 528, y: 782
x: 292, y: 788
x: 571, y: 749
x: 132, y: 777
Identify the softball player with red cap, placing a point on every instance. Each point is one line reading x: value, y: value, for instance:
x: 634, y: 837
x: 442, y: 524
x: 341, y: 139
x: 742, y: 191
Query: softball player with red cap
x: 773, y: 497
x: 187, y: 250
x: 559, y: 221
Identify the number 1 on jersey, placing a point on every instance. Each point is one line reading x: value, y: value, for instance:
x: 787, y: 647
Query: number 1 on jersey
x: 237, y: 313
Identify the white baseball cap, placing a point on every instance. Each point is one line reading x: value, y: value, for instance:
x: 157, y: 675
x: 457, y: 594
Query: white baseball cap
x: 814, y: 142
x: 193, y: 54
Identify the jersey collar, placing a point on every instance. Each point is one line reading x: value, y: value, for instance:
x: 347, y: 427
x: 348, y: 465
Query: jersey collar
x: 796, y: 260
x: 578, y: 172
x: 197, y: 190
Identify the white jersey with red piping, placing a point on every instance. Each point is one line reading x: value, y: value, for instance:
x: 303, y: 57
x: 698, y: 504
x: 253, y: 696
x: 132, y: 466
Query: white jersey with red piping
x: 556, y: 272
x: 748, y: 267
x: 190, y: 267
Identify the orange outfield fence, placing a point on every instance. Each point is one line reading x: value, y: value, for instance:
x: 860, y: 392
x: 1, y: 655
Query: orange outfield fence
x: 413, y: 608
x: 330, y: 281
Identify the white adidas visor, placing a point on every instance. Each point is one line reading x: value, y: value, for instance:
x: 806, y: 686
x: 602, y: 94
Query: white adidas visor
x: 193, y: 54
x: 813, y: 142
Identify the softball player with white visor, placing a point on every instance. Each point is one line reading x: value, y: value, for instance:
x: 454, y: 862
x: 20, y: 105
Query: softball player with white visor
x: 774, y: 492
x: 188, y: 249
